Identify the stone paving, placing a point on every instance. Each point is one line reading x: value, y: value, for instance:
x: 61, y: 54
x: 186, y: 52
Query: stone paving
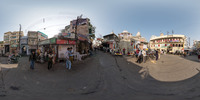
x: 169, y: 68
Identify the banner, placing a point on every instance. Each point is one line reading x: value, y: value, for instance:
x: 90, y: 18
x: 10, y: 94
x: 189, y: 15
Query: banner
x: 73, y: 42
x: 59, y: 41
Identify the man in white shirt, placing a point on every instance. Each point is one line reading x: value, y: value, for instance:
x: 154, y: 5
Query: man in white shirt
x: 144, y: 53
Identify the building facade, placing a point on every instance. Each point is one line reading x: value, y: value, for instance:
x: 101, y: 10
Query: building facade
x: 139, y: 42
x: 169, y: 43
x: 85, y: 33
x: 14, y: 41
x: 7, y: 42
x: 111, y: 41
x: 33, y: 38
x: 24, y: 45
x: 1, y: 47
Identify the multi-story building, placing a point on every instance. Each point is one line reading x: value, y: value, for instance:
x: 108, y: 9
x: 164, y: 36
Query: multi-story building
x: 24, y: 45
x: 169, y: 43
x: 7, y: 42
x: 110, y: 41
x: 139, y: 42
x: 130, y: 42
x: 85, y: 33
x: 196, y: 44
x: 1, y: 47
x: 14, y: 41
x: 33, y: 38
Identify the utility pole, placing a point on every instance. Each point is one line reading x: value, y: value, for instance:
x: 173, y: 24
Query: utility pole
x: 76, y: 34
x: 19, y: 36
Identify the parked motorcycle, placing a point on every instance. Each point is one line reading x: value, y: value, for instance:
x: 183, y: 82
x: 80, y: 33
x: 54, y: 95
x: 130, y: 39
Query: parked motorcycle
x: 13, y: 59
x: 40, y: 59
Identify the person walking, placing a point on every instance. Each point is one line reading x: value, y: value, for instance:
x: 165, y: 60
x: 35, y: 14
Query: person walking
x: 71, y: 58
x: 139, y: 57
x: 68, y: 62
x: 156, y: 55
x: 124, y: 50
x: 144, y: 53
x: 50, y: 60
x: 32, y: 59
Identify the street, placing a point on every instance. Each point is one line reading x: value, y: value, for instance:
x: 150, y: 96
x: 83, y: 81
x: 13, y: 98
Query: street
x: 103, y: 77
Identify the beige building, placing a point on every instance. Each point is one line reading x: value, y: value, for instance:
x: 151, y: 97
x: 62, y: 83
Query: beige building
x: 1, y: 47
x: 7, y: 42
x: 33, y: 38
x: 14, y: 41
x: 130, y: 43
x: 11, y: 41
x: 125, y: 42
x: 169, y: 43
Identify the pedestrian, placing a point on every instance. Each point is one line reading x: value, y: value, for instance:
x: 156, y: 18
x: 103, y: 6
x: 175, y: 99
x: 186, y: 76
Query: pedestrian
x: 144, y: 53
x: 137, y: 52
x: 124, y: 51
x: 32, y: 59
x: 139, y: 57
x: 45, y: 55
x: 50, y: 60
x: 68, y: 62
x: 71, y: 58
x: 156, y: 54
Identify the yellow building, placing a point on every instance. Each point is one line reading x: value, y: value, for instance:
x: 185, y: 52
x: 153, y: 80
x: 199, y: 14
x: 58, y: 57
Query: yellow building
x: 168, y: 43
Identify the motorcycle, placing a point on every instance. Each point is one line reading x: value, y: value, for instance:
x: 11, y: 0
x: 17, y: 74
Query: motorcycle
x: 13, y: 59
x: 40, y: 59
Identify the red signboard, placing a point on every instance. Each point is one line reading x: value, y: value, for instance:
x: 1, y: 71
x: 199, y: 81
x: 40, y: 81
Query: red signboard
x: 99, y: 39
x: 72, y: 42
x: 59, y: 41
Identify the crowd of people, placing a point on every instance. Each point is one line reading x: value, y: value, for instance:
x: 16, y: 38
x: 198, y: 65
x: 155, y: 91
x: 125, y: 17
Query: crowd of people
x: 50, y: 57
x: 143, y: 55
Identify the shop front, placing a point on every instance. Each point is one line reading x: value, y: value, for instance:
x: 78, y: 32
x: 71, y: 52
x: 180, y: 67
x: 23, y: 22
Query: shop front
x: 44, y: 45
x: 13, y: 48
x: 63, y: 44
x: 32, y: 48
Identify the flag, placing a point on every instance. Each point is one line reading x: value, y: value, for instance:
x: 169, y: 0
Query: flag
x: 172, y: 31
x: 167, y: 32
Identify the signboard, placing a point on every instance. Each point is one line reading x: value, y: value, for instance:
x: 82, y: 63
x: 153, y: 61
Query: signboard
x: 33, y: 47
x: 14, y: 45
x: 44, y: 42
x: 73, y: 42
x: 53, y: 40
x: 24, y: 41
x: 144, y: 46
x: 68, y: 35
x: 59, y: 41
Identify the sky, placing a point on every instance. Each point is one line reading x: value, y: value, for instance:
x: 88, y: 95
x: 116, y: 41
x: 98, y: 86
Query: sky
x: 150, y: 17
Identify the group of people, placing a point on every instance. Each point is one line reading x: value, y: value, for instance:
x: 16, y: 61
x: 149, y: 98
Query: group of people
x: 33, y: 57
x: 141, y: 55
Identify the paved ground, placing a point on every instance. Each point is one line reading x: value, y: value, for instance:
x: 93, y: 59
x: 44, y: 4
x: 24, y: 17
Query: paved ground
x: 101, y: 77
x: 170, y: 68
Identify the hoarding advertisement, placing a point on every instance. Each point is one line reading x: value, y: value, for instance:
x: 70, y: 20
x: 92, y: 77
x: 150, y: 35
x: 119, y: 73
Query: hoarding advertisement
x: 59, y: 41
